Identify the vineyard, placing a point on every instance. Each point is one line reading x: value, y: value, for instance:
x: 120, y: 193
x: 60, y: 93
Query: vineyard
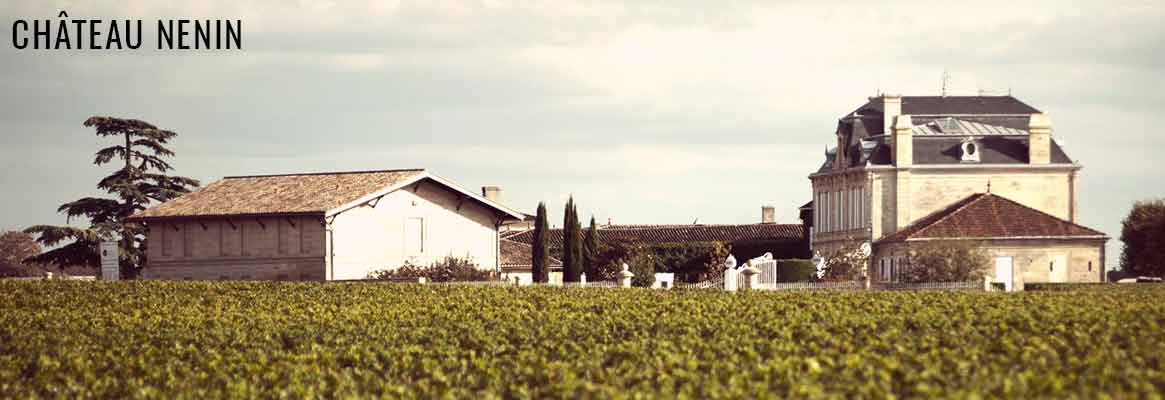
x: 277, y: 339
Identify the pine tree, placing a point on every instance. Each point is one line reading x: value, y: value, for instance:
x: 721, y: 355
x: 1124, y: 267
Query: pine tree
x: 540, y: 264
x: 135, y: 186
x: 591, y: 251
x: 572, y: 261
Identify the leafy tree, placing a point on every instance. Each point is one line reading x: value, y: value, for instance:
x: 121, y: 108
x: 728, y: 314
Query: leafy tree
x: 846, y: 263
x: 1143, y: 234
x: 540, y: 264
x: 15, y: 247
x: 591, y: 250
x: 946, y: 261
x: 572, y: 253
x: 140, y: 182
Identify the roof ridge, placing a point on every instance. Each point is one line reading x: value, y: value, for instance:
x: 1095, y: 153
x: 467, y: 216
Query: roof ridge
x: 967, y: 201
x: 325, y: 173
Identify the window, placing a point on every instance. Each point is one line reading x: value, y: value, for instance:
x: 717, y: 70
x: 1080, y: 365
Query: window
x: 970, y: 150
x: 1090, y: 266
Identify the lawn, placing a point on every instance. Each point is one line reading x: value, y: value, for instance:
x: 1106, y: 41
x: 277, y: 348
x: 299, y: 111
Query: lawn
x: 275, y: 339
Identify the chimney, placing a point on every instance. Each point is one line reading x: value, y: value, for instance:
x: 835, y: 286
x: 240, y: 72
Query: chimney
x: 891, y: 108
x: 903, y: 146
x: 1039, y: 143
x: 492, y: 193
x: 768, y: 215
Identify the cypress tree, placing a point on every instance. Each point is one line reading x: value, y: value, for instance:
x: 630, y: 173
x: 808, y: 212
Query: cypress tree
x: 540, y: 264
x: 591, y: 251
x: 572, y: 262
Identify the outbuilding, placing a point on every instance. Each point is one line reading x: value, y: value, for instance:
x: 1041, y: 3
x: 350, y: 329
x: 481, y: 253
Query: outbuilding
x: 321, y: 226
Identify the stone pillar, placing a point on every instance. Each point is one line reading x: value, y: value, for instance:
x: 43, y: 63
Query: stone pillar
x: 1039, y: 144
x: 582, y: 279
x: 891, y: 107
x: 625, y: 276
x: 751, y: 277
x: 987, y: 283
x: 730, y: 273
x: 903, y: 141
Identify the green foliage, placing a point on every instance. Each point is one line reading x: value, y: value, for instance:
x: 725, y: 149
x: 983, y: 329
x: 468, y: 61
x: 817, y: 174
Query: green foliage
x: 15, y: 247
x: 140, y: 182
x: 1143, y: 234
x: 946, y: 261
x: 175, y: 339
x: 846, y: 263
x: 1060, y: 286
x: 796, y: 270
x: 572, y: 249
x: 540, y: 265
x: 591, y: 249
x: 691, y: 262
x: 448, y: 269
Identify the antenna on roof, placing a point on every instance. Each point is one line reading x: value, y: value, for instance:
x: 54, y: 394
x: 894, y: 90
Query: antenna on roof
x: 697, y: 221
x: 946, y: 77
x: 988, y: 185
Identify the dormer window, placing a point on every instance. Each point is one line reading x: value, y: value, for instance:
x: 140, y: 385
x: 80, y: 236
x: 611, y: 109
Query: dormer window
x: 970, y: 150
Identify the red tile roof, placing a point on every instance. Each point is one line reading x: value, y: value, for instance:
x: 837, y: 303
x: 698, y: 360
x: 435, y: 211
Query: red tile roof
x: 986, y: 215
x: 520, y: 255
x: 654, y: 234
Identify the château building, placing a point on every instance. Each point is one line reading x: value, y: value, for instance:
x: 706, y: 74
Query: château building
x: 908, y: 170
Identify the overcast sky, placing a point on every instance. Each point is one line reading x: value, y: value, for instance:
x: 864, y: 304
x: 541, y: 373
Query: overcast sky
x: 648, y: 112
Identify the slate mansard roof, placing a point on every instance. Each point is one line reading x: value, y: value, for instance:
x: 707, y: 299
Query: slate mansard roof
x: 990, y: 216
x: 940, y: 124
x: 657, y: 234
x: 298, y: 194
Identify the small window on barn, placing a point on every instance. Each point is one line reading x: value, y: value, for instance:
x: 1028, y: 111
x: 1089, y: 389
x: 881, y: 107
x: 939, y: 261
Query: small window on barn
x: 1090, y: 266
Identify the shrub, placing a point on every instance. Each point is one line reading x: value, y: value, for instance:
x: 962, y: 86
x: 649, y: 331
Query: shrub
x: 796, y: 270
x: 448, y: 269
x: 946, y: 261
x: 691, y: 262
x: 845, y: 263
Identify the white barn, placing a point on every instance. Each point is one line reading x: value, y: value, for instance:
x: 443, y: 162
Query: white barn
x: 321, y: 226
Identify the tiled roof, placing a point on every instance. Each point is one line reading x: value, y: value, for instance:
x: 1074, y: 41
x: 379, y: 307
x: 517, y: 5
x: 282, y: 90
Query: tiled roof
x: 278, y: 194
x: 655, y: 234
x: 987, y: 215
x: 519, y: 255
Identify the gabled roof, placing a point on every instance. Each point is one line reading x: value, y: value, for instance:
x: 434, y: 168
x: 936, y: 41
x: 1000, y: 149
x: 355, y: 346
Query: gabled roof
x: 990, y: 216
x: 658, y: 234
x: 326, y: 193
x: 516, y: 255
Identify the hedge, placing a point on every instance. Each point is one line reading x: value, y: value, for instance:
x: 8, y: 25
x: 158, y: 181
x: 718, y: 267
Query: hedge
x: 796, y: 270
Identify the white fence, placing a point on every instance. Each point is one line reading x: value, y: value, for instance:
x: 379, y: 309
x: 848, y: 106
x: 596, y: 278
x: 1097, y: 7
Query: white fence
x: 812, y: 286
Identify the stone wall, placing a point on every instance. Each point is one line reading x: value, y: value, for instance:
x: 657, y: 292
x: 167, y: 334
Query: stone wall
x: 1031, y: 258
x: 236, y: 248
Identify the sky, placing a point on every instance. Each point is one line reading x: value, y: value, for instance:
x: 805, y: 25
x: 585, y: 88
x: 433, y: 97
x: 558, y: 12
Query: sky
x: 647, y: 112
